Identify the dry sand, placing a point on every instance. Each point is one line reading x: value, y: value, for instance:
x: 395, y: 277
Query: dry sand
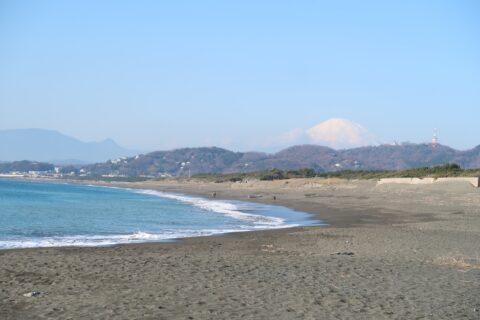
x: 416, y: 255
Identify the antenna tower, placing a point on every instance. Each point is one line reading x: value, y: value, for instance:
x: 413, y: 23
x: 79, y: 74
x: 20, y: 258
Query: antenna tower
x: 434, y: 138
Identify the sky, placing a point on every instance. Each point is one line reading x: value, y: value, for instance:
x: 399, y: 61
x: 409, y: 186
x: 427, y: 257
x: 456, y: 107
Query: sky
x: 158, y: 75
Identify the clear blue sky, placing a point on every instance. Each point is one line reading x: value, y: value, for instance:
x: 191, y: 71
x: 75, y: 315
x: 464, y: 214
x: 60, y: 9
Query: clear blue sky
x: 238, y: 74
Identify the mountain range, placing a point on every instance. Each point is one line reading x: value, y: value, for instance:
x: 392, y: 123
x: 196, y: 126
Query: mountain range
x: 55, y: 147
x: 108, y: 158
x: 322, y: 159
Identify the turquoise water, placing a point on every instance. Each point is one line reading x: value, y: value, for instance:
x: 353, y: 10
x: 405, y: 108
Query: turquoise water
x: 40, y: 214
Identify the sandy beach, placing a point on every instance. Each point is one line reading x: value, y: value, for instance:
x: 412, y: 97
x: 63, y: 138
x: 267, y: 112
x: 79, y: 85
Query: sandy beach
x: 388, y: 252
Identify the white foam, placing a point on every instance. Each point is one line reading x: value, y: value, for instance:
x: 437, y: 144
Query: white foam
x: 108, y: 240
x: 226, y: 208
x: 223, y: 207
x: 255, y: 222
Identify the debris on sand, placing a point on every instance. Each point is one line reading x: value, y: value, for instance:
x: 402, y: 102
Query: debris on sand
x: 32, y: 294
x: 346, y: 253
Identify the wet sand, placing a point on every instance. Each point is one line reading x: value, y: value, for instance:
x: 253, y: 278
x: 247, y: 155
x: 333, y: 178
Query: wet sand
x: 389, y: 252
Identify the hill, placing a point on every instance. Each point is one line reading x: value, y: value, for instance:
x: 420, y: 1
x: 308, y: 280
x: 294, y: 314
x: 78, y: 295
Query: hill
x: 52, y: 146
x: 189, y: 161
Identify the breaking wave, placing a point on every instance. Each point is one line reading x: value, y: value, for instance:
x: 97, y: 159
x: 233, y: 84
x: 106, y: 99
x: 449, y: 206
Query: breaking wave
x: 223, y: 207
x: 107, y: 240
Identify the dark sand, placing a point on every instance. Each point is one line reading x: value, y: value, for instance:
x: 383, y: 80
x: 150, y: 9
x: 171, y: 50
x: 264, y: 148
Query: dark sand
x: 416, y: 255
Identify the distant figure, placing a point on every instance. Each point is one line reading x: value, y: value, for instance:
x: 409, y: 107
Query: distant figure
x: 214, y: 194
x: 274, y: 198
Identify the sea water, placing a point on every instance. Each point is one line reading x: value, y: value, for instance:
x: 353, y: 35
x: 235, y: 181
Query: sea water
x: 43, y: 214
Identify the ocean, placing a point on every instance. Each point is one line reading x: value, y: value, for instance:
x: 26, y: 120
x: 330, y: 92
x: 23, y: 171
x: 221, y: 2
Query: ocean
x: 44, y: 214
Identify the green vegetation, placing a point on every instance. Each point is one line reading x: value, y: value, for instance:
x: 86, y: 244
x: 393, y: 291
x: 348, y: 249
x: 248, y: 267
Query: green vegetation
x: 266, y: 175
x: 302, y: 173
x: 192, y: 161
x: 447, y: 170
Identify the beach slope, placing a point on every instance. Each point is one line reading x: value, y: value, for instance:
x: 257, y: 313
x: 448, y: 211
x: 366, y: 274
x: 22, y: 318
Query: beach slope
x: 390, y: 252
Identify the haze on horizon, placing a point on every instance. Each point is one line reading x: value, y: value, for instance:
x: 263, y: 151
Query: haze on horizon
x: 244, y: 75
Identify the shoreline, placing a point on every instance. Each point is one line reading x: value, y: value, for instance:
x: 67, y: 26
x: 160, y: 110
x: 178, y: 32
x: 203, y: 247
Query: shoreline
x: 310, y: 219
x: 330, y: 215
x: 389, y: 252
x: 333, y: 216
